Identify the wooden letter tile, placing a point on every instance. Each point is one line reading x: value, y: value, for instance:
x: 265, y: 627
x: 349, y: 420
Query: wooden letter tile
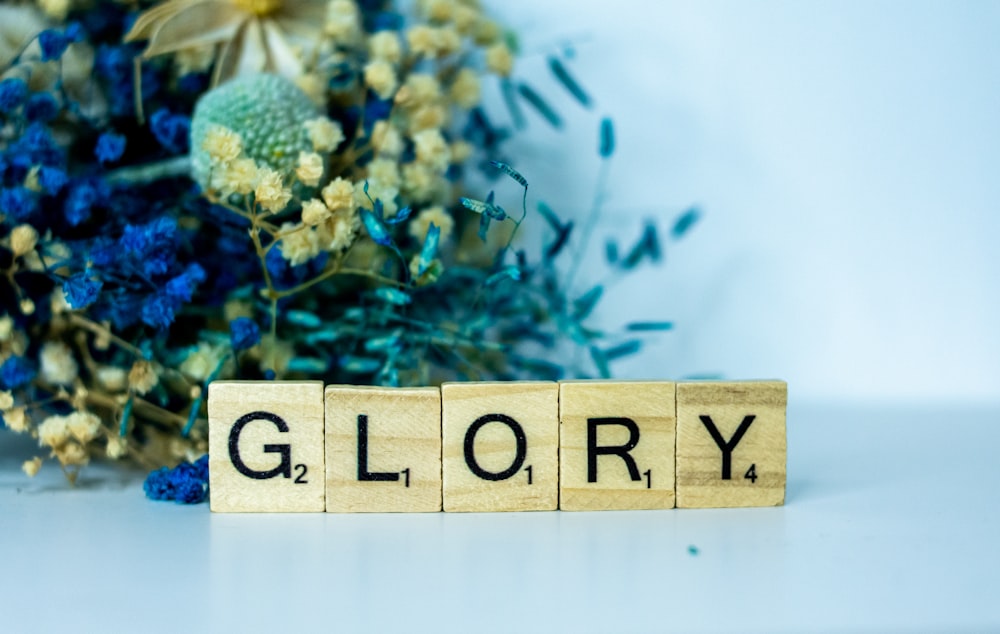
x: 731, y: 444
x: 383, y: 449
x: 501, y: 446
x: 266, y: 446
x: 616, y: 445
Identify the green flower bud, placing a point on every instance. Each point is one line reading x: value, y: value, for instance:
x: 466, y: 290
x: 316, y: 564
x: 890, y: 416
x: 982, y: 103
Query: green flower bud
x: 267, y: 111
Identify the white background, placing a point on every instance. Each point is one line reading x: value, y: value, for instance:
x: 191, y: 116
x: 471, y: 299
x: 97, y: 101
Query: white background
x: 845, y: 155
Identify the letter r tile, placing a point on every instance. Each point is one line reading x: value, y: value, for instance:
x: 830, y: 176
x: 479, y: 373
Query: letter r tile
x: 731, y: 446
x: 265, y: 442
x: 616, y: 445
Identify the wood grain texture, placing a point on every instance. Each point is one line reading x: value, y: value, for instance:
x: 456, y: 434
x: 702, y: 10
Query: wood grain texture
x: 403, y: 441
x: 620, y: 414
x: 534, y: 408
x: 728, y: 406
x: 297, y: 405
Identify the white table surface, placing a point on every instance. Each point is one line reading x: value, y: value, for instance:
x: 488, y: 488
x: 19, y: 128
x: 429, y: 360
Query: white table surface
x: 892, y: 523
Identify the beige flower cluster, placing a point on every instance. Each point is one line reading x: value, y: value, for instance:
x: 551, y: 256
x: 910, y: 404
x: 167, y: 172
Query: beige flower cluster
x: 429, y: 73
x: 329, y: 220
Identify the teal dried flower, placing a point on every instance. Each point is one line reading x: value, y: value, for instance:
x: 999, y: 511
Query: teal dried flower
x: 267, y: 111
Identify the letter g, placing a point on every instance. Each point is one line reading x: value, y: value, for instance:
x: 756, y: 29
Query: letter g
x: 284, y: 468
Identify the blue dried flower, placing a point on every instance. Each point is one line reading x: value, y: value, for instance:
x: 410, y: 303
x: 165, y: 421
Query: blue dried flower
x: 243, y: 333
x: 171, y: 130
x: 195, y: 83
x: 190, y: 492
x: 157, y: 485
x: 159, y: 311
x: 110, y: 147
x: 17, y: 202
x: 41, y: 106
x: 201, y: 468
x: 16, y: 372
x: 85, y: 195
x: 187, y: 483
x: 53, y: 44
x: 103, y: 252
x: 36, y: 147
x: 114, y: 65
x: 184, y: 478
x: 151, y: 245
x: 52, y: 179
x: 181, y: 288
x: 13, y: 92
x: 81, y: 290
x: 75, y: 32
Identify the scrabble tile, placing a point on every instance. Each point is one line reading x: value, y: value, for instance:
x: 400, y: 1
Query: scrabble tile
x: 501, y: 448
x: 731, y: 444
x: 266, y: 446
x: 616, y: 445
x: 383, y: 449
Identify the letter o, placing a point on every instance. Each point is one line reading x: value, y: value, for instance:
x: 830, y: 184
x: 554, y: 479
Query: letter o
x: 519, y: 438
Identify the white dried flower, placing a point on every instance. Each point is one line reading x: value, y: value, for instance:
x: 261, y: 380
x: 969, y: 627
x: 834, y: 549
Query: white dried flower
x: 299, y: 243
x: 202, y: 360
x: 465, y: 89
x: 142, y: 377
x: 420, y: 182
x: 72, y: 454
x: 222, y: 144
x: 58, y: 367
x: 324, y: 134
x: 239, y: 177
x: 55, y: 9
x: 310, y: 168
x: 53, y: 432
x: 314, y: 211
x: 23, y: 239
x: 339, y: 231
x: 383, y: 174
x: 419, y: 226
x: 16, y: 420
x: 343, y: 23
x: 6, y: 327
x: 419, y: 89
x: 386, y: 139
x: 499, y: 59
x: 432, y: 150
x: 83, y: 426
x: 339, y: 195
x: 113, y: 378
x: 385, y: 46
x: 380, y: 76
x: 270, y: 192
x: 31, y: 467
x: 117, y: 447
x: 428, y: 117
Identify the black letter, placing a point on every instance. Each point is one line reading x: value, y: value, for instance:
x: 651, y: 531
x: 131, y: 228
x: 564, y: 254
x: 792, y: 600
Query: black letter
x: 727, y: 448
x: 363, y: 474
x: 284, y: 467
x: 618, y: 450
x: 519, y: 438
